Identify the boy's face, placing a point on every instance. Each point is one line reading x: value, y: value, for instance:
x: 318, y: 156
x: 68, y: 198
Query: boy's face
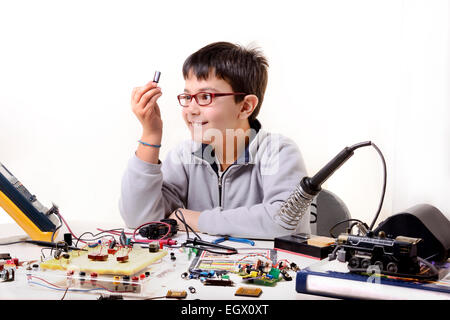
x: 207, y: 122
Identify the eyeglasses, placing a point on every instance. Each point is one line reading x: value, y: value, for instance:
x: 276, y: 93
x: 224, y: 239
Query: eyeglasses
x: 203, y: 98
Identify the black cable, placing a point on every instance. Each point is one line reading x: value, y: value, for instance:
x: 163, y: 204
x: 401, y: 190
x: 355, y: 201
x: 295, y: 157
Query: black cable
x: 384, y: 186
x: 11, y: 243
x: 186, y: 226
x: 341, y: 222
x: 314, y: 214
x: 200, y: 247
x: 380, y: 205
x: 210, y: 250
x: 95, y: 236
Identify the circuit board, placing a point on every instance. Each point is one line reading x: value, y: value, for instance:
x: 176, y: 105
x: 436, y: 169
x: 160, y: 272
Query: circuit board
x: 136, y: 260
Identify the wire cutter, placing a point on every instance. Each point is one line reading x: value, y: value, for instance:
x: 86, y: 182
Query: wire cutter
x: 225, y: 238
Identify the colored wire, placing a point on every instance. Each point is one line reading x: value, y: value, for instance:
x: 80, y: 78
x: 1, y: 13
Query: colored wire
x: 114, y: 232
x: 254, y: 255
x: 64, y: 289
x: 65, y: 292
x: 59, y: 288
x: 95, y: 236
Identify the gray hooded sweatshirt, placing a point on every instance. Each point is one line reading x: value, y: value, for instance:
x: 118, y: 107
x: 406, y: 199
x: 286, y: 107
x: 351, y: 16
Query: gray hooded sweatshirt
x: 242, y: 201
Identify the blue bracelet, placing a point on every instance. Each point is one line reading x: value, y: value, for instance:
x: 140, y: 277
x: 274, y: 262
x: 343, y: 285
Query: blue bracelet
x: 149, y: 145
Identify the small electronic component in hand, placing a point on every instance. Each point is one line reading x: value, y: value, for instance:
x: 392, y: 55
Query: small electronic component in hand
x: 156, y: 76
x: 248, y: 292
x: 176, y: 294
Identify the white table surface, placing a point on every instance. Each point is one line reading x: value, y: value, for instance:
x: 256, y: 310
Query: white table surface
x: 165, y: 275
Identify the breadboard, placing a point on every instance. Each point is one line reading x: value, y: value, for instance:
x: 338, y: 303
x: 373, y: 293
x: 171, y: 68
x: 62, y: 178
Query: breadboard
x: 138, y: 260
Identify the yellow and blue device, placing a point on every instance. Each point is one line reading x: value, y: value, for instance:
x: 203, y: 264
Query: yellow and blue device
x: 35, y: 219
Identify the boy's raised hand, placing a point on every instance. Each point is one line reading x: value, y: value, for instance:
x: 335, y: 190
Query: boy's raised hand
x: 144, y: 106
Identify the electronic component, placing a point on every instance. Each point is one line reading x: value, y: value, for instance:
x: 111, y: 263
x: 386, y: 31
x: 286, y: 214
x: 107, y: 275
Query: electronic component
x: 7, y: 274
x: 176, y: 294
x: 87, y: 282
x: 155, y: 231
x: 306, y: 246
x: 286, y: 275
x: 36, y: 220
x: 259, y: 273
x: 153, y: 246
x: 124, y: 241
x: 156, y: 76
x: 218, y: 282
x: 98, y: 256
x: 5, y: 256
x: 397, y: 257
x: 248, y: 292
x: 58, y: 245
x: 123, y: 258
x: 168, y: 242
x: 421, y: 221
x: 91, y: 260
x: 192, y: 289
x: 68, y: 238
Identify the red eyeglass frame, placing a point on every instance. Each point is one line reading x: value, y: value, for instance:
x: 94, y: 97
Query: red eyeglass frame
x: 213, y: 95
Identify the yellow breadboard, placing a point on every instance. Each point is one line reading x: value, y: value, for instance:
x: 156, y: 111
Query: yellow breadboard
x: 138, y: 260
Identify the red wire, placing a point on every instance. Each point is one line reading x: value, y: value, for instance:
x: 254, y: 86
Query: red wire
x: 117, y: 233
x: 59, y: 287
x: 52, y: 284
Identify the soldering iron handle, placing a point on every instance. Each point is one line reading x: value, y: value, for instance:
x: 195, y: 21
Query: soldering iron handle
x: 313, y: 185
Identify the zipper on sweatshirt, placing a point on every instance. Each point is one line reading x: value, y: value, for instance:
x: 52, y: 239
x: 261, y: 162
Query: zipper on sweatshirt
x: 220, y: 190
x: 220, y: 179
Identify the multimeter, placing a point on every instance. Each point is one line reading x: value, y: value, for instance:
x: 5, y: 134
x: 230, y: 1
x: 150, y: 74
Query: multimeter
x: 35, y: 219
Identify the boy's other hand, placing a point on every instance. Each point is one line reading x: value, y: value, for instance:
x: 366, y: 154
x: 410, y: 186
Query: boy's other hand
x: 190, y: 216
x: 144, y: 106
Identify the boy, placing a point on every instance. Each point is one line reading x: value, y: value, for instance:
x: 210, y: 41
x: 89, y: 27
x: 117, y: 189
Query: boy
x: 232, y: 177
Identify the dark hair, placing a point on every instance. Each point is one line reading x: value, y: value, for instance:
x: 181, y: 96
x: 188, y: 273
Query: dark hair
x: 245, y: 69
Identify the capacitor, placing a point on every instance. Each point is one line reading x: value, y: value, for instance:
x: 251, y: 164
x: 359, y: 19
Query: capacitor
x: 153, y: 246
x: 192, y: 289
x: 285, y: 275
x: 156, y: 76
x: 123, y: 238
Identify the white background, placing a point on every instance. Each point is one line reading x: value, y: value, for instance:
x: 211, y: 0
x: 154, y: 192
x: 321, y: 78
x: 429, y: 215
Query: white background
x: 341, y: 72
